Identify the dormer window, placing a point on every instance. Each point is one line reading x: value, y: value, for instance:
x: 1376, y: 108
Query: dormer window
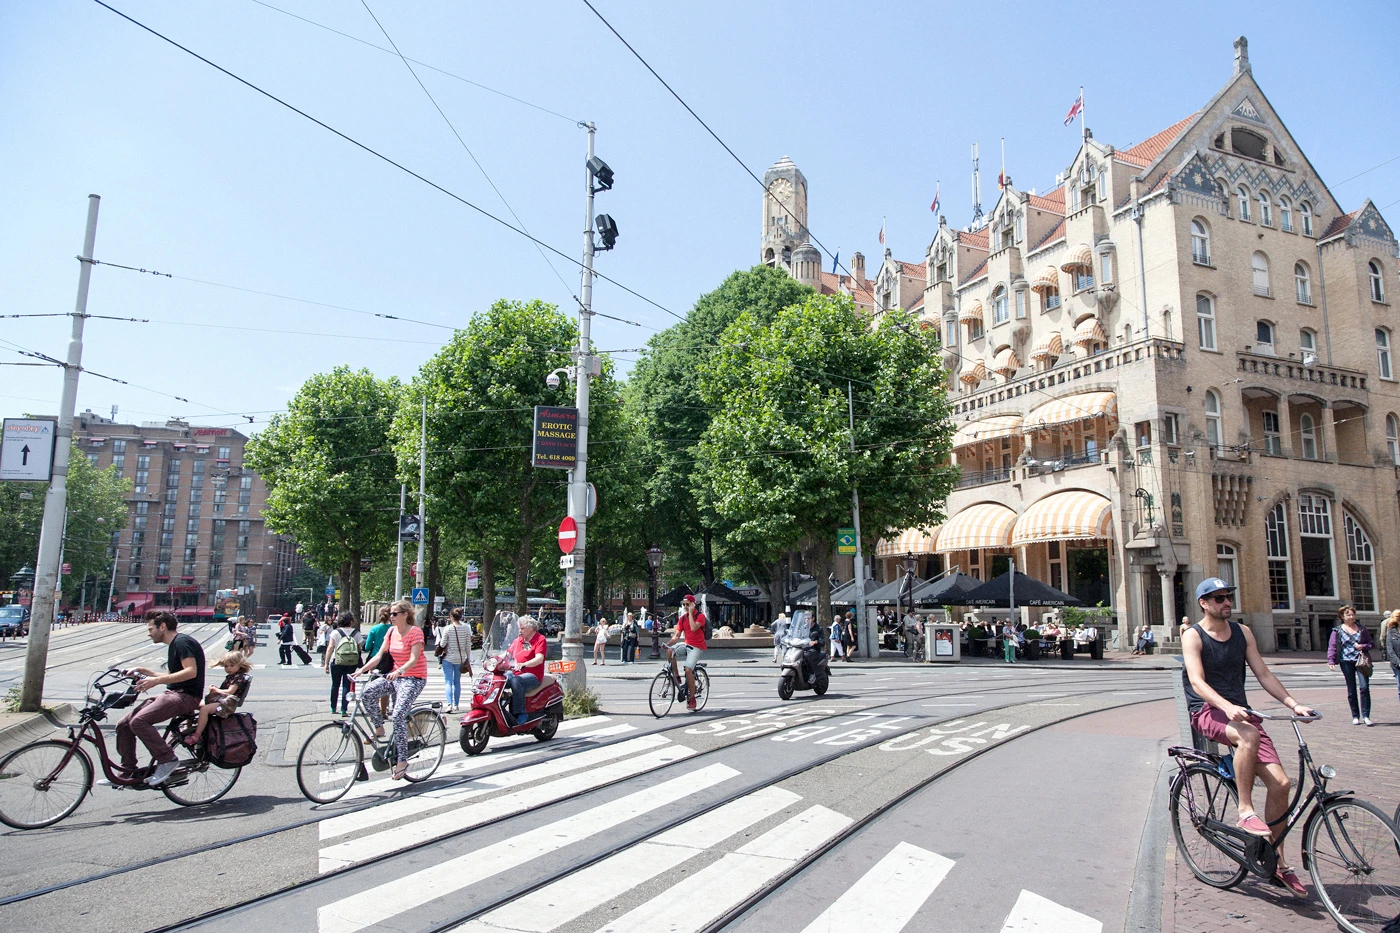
x: 1248, y: 144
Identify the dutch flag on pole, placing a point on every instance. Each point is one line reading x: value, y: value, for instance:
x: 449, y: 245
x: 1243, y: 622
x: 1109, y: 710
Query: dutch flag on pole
x: 1076, y: 108
x: 937, y: 194
x: 882, y: 231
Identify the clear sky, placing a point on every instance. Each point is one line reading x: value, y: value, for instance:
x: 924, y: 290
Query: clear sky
x: 876, y: 103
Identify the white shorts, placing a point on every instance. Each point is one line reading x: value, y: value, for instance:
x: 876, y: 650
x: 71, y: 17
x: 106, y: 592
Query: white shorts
x: 687, y: 655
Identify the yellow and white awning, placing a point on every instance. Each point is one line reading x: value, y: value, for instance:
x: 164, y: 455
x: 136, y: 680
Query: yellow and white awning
x: 910, y: 541
x: 1075, y: 515
x: 1088, y: 332
x: 1047, y: 281
x: 1006, y: 363
x: 1081, y: 257
x: 1071, y: 409
x: 988, y: 429
x: 1051, y: 346
x: 985, y: 524
x: 930, y: 318
x: 974, y: 372
x: 971, y: 312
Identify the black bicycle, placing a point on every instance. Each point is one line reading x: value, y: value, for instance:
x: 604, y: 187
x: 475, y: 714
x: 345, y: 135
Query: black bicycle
x: 1351, y: 848
x: 666, y: 687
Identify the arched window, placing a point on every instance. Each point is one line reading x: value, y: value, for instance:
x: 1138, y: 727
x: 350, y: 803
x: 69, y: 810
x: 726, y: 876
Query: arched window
x: 1306, y: 210
x: 1263, y: 337
x: 1307, y: 430
x: 1315, y: 538
x: 1260, y: 264
x: 1285, y: 215
x: 1266, y: 209
x: 1307, y: 339
x: 768, y: 257
x: 1373, y: 269
x: 1242, y: 200
x: 1280, y: 574
x: 1392, y: 438
x: 999, y: 310
x: 1214, y: 431
x: 1200, y: 243
x: 1205, y: 321
x: 1302, y: 282
x: 1360, y: 564
x: 1383, y: 352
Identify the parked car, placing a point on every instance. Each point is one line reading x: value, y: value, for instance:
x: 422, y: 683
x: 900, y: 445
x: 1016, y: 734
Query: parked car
x: 14, y: 621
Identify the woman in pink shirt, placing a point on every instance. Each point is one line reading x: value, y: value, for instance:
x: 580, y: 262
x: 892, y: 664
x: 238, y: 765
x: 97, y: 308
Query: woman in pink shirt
x: 405, y: 680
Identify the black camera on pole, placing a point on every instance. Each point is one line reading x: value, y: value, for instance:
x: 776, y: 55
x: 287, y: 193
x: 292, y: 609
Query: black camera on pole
x: 607, y: 231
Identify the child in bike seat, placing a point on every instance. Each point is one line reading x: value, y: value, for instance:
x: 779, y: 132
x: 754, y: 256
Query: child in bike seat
x: 223, y: 700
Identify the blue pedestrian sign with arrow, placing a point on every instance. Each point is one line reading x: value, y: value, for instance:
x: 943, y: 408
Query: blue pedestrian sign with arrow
x: 420, y: 596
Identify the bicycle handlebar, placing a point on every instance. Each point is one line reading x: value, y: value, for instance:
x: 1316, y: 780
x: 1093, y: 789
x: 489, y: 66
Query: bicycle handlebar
x: 1294, y: 718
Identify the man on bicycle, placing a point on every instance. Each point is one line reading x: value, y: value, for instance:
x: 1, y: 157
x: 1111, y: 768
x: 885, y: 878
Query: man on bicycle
x: 690, y: 626
x: 1215, y: 651
x: 185, y: 690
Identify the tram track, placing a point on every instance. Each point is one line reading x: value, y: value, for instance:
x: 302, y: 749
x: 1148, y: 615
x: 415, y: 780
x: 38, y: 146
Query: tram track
x: 368, y: 864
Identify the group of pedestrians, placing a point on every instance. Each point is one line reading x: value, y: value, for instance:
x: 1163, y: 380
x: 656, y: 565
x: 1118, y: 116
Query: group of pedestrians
x: 630, y: 631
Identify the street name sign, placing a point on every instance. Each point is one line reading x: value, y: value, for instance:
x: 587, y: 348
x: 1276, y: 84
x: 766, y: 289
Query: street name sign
x: 556, y: 437
x: 26, y: 451
x: 845, y: 541
x: 420, y: 596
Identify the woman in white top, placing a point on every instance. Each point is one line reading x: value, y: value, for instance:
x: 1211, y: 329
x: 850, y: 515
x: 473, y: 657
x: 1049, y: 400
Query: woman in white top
x: 600, y: 641
x: 455, y: 641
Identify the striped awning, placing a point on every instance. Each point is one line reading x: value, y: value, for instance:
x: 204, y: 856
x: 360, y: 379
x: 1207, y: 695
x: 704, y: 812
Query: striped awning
x: 1047, y: 281
x: 1051, y: 346
x: 910, y: 541
x: 930, y: 318
x: 1006, y: 362
x: 1089, y: 331
x: 1081, y: 257
x: 974, y: 372
x: 971, y: 312
x: 1072, y: 408
x: 985, y: 524
x: 1074, y: 515
x: 988, y: 429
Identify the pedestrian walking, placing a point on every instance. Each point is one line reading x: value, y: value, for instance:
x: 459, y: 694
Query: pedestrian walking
x: 308, y: 629
x: 1350, y: 646
x: 374, y: 640
x: 600, y: 641
x: 653, y: 625
x: 454, y: 649
x: 780, y: 629
x: 848, y: 635
x: 838, y: 647
x: 342, y: 658
x: 629, y: 639
x: 1390, y: 644
x: 1008, y: 642
x: 323, y: 635
x: 286, y: 637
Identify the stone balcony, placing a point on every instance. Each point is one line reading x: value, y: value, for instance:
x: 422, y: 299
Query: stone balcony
x: 1290, y: 375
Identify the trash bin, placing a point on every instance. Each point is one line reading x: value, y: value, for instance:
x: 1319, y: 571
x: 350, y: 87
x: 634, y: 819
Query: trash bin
x: 942, y: 644
x: 1067, y: 649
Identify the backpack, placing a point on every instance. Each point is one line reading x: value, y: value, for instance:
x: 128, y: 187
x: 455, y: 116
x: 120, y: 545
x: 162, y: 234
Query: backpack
x: 231, y: 742
x: 347, y: 652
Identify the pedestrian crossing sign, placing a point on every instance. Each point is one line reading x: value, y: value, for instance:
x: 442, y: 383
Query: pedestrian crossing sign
x: 420, y: 596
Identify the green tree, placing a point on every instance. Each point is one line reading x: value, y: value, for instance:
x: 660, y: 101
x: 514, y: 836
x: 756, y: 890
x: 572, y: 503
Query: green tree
x: 330, y: 473
x: 777, y: 459
x: 664, y: 396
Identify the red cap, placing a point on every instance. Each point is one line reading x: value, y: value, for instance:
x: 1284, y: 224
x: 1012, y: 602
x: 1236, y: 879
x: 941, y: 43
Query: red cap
x: 688, y: 598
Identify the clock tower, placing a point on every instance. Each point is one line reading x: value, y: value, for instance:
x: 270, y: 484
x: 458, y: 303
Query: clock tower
x: 784, y: 214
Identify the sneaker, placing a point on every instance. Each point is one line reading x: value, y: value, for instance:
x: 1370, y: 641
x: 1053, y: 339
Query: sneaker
x: 1367, y: 720
x: 1289, y: 880
x: 162, y: 773
x: 690, y: 704
x: 1253, y: 825
x: 1355, y: 721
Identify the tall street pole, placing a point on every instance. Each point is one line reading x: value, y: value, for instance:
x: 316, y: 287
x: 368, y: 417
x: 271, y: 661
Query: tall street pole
x: 398, y: 568
x: 56, y: 499
x: 572, y: 646
x: 422, y: 499
x: 863, y: 634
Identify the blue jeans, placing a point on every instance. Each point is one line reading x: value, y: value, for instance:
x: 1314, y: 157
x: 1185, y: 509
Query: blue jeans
x: 452, y: 675
x: 1357, y: 683
x: 520, y: 684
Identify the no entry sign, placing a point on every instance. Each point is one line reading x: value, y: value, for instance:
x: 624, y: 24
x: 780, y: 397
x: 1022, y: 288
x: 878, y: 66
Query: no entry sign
x: 568, y: 534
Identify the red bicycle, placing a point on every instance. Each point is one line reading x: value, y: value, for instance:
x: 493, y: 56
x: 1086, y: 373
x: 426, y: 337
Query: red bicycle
x: 46, y: 781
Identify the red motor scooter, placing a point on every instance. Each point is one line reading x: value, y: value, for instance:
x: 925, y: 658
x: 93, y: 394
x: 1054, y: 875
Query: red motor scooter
x: 490, y: 713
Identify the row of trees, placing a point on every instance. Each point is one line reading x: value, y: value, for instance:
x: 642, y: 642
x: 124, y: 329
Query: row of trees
x: 735, y: 443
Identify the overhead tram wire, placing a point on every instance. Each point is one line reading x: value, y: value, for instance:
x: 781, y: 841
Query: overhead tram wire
x: 384, y: 158
x: 475, y: 161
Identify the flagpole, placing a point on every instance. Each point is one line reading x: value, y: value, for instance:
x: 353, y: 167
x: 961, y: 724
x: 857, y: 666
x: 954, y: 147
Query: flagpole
x: 1082, y: 132
x: 1001, y: 182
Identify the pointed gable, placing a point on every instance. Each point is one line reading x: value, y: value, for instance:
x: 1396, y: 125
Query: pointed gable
x: 1365, y: 222
x: 1146, y: 152
x: 1196, y: 177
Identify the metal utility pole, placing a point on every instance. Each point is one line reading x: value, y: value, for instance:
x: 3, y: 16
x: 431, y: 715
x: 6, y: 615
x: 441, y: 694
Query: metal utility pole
x: 112, y: 584
x: 422, y: 496
x: 868, y: 644
x: 398, y: 567
x: 56, y: 499
x: 572, y: 646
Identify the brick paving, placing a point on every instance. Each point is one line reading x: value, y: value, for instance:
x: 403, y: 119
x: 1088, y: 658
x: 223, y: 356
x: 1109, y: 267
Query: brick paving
x: 1366, y: 762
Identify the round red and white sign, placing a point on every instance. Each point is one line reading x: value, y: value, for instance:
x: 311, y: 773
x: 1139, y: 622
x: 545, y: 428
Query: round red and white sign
x: 568, y: 534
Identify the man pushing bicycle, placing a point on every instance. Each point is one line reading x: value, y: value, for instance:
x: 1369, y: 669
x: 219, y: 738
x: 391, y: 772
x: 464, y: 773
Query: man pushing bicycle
x: 1215, y: 651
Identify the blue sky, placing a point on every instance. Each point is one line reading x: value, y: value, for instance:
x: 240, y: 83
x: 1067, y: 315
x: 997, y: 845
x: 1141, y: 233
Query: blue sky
x: 877, y: 103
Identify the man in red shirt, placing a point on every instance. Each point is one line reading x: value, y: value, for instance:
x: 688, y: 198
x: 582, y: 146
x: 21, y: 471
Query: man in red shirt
x: 690, y: 627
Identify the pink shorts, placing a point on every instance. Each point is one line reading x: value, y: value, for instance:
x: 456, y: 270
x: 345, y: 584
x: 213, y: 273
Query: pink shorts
x: 1211, y: 722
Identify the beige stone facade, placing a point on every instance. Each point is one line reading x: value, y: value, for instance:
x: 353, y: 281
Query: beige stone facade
x: 1178, y: 363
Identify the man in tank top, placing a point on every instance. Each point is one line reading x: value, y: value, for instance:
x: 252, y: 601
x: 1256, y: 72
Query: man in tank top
x: 1216, y: 650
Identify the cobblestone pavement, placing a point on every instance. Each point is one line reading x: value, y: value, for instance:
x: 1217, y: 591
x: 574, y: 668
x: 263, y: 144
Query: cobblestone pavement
x: 1365, y: 760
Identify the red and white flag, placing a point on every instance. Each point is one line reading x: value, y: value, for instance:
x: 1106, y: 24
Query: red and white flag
x: 882, y: 231
x: 1076, y: 108
x: 937, y: 193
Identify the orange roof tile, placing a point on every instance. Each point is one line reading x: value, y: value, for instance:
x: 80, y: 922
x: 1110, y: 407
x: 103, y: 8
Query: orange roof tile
x: 1147, y: 151
x: 1056, y: 233
x: 977, y: 239
x: 916, y: 305
x: 1339, y: 224
x: 917, y: 269
x: 980, y: 270
x: 1053, y: 201
x: 833, y: 284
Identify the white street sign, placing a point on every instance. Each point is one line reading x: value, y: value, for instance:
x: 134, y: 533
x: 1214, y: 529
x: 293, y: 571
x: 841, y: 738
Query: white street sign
x: 566, y: 562
x: 26, y: 452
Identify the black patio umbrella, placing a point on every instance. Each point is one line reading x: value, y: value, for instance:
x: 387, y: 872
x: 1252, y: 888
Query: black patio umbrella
x: 674, y: 597
x: 894, y: 593
x: 947, y: 591
x: 721, y: 595
x: 1000, y: 593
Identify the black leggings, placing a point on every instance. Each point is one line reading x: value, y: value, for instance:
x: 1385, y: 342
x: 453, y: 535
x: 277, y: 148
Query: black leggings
x: 341, y: 685
x: 1357, y: 684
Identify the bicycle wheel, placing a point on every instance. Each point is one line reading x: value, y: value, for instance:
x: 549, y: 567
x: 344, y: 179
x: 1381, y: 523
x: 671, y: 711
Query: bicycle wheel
x: 426, y: 733
x: 702, y: 688
x: 1200, y: 793
x: 199, y: 782
x: 329, y: 761
x: 25, y: 802
x: 1353, y: 854
x: 662, y: 694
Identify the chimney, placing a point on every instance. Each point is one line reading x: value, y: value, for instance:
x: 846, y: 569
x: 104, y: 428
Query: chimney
x: 858, y: 267
x: 1241, y: 55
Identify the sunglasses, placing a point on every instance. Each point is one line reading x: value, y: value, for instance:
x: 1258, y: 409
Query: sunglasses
x: 397, y: 612
x: 1219, y: 598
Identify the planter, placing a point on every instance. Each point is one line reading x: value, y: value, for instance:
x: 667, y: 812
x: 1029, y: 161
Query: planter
x: 1032, y: 650
x: 1067, y: 649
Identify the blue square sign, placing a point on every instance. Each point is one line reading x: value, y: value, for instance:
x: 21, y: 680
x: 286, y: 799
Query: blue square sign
x: 420, y: 596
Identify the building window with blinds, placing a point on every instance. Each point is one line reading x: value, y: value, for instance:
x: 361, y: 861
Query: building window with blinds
x: 1360, y: 565
x: 1280, y: 576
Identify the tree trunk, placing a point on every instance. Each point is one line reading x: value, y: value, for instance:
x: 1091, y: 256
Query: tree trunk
x: 522, y: 577
x: 352, y: 594
x: 708, y: 536
x: 434, y: 570
x: 777, y: 590
x: 821, y: 569
x: 488, y: 591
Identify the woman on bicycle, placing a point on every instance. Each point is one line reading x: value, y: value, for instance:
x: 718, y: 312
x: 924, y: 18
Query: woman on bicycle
x: 405, y: 680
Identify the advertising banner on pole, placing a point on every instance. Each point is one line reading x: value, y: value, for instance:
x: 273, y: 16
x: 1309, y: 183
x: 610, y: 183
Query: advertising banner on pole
x: 408, y: 529
x: 473, y: 575
x: 26, y: 451
x: 556, y: 437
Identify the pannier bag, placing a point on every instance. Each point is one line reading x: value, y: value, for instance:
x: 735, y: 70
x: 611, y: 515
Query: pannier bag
x: 232, y: 742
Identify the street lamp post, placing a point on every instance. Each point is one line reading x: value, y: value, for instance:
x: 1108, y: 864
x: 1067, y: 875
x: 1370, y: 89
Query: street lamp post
x: 655, y: 558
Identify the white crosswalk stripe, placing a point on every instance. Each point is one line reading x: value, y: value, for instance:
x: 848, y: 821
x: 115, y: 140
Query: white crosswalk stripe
x: 888, y: 895
x: 393, y: 898
x: 462, y: 818
x: 1035, y: 914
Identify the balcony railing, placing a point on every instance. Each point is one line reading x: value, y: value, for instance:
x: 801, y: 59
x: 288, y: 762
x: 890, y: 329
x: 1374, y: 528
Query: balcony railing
x: 1294, y: 371
x: 982, y: 478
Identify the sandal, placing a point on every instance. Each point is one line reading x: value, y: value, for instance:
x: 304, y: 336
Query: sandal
x: 399, y: 771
